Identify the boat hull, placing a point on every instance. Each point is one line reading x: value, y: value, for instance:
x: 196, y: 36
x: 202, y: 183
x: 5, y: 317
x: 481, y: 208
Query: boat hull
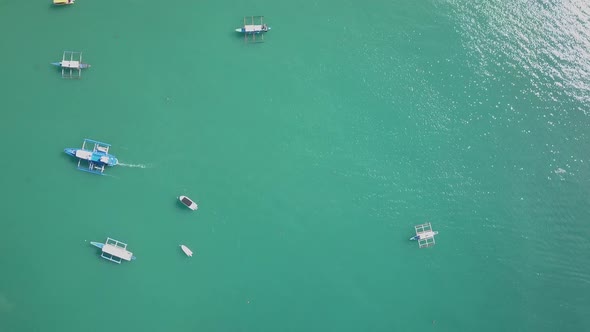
x: 97, y: 244
x: 70, y: 151
x: 82, y: 65
x: 425, y: 235
x: 63, y: 2
x: 186, y: 250
x: 244, y: 30
x: 97, y: 157
x: 101, y: 245
x: 189, y: 203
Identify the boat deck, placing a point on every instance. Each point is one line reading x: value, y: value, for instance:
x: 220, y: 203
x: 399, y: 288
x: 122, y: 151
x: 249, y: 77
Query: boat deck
x: 84, y: 154
x: 254, y: 28
x: 97, y: 159
x: 70, y: 64
x: 426, y: 235
x: 186, y: 250
x: 115, y: 251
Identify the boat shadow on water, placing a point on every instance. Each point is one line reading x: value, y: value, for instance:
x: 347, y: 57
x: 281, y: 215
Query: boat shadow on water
x: 59, y: 7
x: 239, y: 37
x: 69, y: 159
x: 57, y: 69
x: 248, y: 40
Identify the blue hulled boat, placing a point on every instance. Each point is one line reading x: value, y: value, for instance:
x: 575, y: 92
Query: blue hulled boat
x: 97, y: 158
x: 97, y: 244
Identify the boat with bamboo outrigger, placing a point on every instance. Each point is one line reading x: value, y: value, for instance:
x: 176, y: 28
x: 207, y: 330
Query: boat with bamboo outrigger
x: 98, y: 158
x: 71, y: 65
x: 114, y: 251
x: 253, y: 26
x: 424, y: 235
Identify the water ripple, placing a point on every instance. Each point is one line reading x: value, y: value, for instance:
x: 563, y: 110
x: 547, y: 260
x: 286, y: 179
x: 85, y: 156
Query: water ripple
x: 545, y: 41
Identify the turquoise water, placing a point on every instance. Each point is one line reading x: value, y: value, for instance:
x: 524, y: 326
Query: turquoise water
x: 311, y: 156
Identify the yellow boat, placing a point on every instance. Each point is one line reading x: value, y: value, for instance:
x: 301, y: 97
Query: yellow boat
x: 63, y: 2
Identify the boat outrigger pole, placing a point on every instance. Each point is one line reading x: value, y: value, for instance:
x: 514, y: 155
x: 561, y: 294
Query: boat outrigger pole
x: 71, y: 64
x: 253, y: 29
x: 424, y: 235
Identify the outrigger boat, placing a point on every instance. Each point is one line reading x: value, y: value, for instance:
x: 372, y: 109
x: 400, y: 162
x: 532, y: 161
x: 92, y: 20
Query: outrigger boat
x: 186, y: 250
x: 188, y: 202
x: 424, y: 235
x: 114, y: 251
x: 98, y: 158
x: 252, y: 29
x: 63, y: 2
x: 71, y: 64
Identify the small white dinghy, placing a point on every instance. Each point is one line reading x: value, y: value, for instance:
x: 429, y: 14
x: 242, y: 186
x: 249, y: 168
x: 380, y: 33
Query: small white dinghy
x: 188, y: 202
x: 186, y: 250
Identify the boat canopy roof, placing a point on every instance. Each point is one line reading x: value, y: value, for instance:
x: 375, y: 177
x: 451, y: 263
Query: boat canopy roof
x: 83, y: 154
x: 70, y: 64
x: 254, y: 27
x: 117, y: 252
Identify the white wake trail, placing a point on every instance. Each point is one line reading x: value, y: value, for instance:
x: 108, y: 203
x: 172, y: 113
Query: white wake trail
x: 134, y: 165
